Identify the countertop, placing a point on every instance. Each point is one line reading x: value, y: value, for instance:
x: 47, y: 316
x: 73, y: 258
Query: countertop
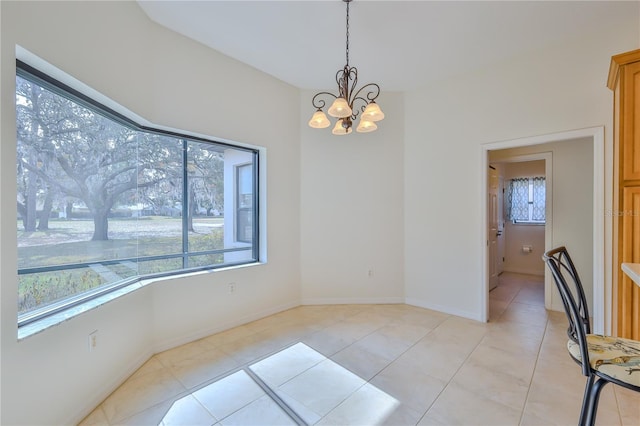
x: 633, y: 271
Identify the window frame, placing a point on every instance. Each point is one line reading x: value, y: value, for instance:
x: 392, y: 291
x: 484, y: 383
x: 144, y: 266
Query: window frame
x: 56, y: 86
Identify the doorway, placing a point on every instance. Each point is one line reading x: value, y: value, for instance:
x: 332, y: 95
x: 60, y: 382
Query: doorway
x: 524, y: 218
x: 594, y: 252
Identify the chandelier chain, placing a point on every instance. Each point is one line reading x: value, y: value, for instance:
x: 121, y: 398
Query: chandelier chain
x: 347, y: 51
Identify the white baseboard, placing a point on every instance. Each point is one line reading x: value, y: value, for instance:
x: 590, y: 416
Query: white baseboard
x: 164, y: 345
x: 444, y: 309
x: 353, y: 301
x: 535, y: 272
x: 392, y: 300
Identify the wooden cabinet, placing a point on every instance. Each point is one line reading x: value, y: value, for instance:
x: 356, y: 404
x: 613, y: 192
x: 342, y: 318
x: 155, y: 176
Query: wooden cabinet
x: 624, y: 80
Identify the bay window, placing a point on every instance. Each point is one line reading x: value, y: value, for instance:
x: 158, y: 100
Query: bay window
x: 103, y: 201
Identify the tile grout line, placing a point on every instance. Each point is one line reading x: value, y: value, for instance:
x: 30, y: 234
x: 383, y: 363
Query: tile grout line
x: 390, y: 362
x: 615, y: 396
x: 546, y: 325
x: 535, y: 367
x: 450, y: 380
x: 452, y: 376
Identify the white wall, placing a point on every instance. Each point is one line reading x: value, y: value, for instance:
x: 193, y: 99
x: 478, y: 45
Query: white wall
x: 556, y: 89
x: 51, y: 378
x: 351, y: 210
x: 515, y: 259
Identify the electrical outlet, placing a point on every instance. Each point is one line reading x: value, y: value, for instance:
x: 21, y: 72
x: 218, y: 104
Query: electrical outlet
x: 93, y: 341
x: 370, y: 273
x: 232, y: 288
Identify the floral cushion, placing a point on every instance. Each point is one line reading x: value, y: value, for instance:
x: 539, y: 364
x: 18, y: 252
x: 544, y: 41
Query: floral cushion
x: 614, y: 356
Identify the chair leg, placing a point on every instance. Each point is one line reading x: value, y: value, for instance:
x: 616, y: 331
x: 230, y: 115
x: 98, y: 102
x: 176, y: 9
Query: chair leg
x: 593, y: 401
x: 584, y: 411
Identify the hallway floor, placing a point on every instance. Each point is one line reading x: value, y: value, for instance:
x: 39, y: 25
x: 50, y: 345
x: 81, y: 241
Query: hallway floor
x: 373, y: 364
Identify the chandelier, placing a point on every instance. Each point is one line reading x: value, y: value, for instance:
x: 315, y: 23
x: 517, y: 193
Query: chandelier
x: 349, y: 102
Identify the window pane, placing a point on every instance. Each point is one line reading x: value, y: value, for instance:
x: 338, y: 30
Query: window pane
x: 205, y: 167
x: 37, y: 289
x: 160, y: 266
x: 205, y: 260
x: 526, y: 200
x: 159, y: 198
x: 244, y: 185
x: 239, y: 210
x: 76, y: 175
x: 538, y: 199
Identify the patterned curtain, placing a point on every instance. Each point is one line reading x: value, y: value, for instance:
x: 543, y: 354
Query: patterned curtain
x: 538, y: 198
x: 519, y: 199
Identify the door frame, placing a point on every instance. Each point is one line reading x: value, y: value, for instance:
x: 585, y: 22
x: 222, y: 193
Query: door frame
x: 601, y: 251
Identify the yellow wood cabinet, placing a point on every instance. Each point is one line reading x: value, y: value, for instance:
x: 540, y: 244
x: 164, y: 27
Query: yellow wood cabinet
x: 624, y: 80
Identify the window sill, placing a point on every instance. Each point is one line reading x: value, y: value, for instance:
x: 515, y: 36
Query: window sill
x: 41, y: 325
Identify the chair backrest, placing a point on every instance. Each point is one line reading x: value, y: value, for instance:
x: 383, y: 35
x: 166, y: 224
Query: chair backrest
x: 569, y: 285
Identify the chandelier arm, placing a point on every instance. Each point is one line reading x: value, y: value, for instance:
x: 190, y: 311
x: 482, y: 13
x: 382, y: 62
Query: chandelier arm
x: 365, y: 103
x: 340, y: 83
x: 352, y: 75
x: 374, y: 89
x: 342, y: 80
x: 321, y: 102
x: 355, y: 111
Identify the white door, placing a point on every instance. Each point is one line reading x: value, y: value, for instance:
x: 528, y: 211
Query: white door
x: 492, y: 231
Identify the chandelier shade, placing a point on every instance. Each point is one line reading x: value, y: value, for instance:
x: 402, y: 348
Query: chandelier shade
x: 366, y: 126
x: 349, y: 102
x: 372, y: 112
x: 319, y: 120
x: 340, y: 108
x: 342, y: 127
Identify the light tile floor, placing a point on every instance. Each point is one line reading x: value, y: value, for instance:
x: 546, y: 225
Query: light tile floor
x: 374, y: 364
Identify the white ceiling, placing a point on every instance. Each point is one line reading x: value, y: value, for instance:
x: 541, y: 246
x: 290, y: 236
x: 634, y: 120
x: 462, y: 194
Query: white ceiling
x: 398, y: 44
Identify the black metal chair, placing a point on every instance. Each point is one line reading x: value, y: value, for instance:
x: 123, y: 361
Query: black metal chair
x: 604, y: 359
